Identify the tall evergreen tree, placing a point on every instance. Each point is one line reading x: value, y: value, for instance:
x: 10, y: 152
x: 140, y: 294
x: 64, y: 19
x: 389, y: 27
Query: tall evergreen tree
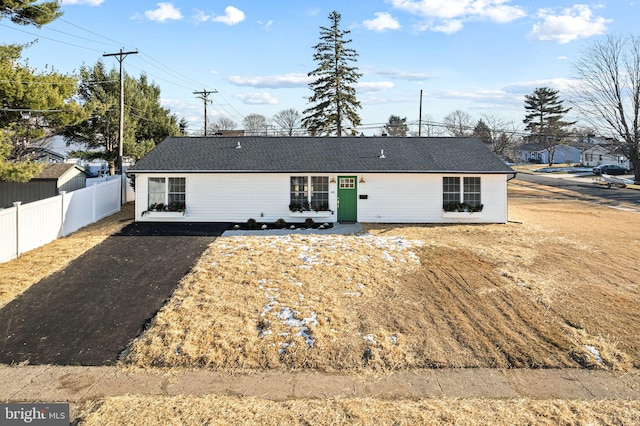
x: 22, y: 88
x: 34, y: 104
x: 25, y: 12
x: 183, y: 124
x: 396, y: 126
x: 482, y: 132
x: 334, y: 96
x: 146, y: 123
x: 544, y: 118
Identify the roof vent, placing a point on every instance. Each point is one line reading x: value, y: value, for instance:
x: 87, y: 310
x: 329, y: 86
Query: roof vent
x: 238, y: 146
x: 381, y: 154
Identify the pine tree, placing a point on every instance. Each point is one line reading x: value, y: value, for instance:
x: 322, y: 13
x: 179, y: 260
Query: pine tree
x: 334, y: 96
x: 482, y: 131
x: 25, y: 12
x: 544, y: 118
x: 147, y: 123
x: 396, y: 126
x: 545, y: 111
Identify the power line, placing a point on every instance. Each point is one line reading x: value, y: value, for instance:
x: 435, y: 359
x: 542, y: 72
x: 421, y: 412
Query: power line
x: 49, y: 38
x: 204, y: 95
x: 188, y: 82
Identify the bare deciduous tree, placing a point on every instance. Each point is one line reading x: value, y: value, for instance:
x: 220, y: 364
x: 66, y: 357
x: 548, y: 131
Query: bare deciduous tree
x: 429, y: 128
x: 288, y: 120
x: 608, y: 95
x: 458, y: 124
x: 223, y: 123
x: 501, y: 134
x: 255, y: 125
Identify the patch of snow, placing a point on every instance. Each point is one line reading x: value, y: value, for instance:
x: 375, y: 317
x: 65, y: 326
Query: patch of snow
x: 386, y: 256
x: 264, y: 333
x: 394, y: 339
x: 352, y: 293
x: 371, y: 338
x: 595, y: 353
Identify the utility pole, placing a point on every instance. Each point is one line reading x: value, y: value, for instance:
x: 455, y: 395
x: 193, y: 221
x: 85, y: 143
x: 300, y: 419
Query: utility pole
x: 120, y: 57
x: 204, y: 95
x: 420, y: 117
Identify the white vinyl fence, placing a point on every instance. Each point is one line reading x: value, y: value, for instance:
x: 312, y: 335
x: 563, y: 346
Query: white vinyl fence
x: 25, y: 227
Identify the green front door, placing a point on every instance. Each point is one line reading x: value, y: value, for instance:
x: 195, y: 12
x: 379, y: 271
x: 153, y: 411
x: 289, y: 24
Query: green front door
x: 347, y: 199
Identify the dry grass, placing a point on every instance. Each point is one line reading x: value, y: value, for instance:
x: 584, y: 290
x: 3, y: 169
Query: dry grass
x: 218, y: 410
x: 402, y: 297
x: 19, y: 274
x: 534, y: 292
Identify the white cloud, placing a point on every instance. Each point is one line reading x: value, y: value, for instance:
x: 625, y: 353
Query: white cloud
x: 527, y: 87
x: 261, y: 98
x: 374, y: 86
x: 272, y: 81
x: 570, y: 24
x: 267, y: 24
x: 201, y: 16
x: 448, y: 27
x: 448, y: 16
x: 382, y: 22
x: 164, y: 12
x: 174, y: 104
x: 402, y: 75
x: 87, y: 2
x: 232, y: 16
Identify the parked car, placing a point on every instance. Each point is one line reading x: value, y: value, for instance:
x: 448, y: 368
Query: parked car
x: 609, y: 169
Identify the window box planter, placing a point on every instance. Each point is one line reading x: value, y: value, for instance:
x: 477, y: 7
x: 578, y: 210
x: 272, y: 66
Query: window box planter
x: 175, y: 209
x: 461, y: 215
x: 311, y: 213
x: 163, y: 214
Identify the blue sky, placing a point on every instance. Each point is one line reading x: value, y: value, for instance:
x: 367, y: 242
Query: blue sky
x: 478, y: 56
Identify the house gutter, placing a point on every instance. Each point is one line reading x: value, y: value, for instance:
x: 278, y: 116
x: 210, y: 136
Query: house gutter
x: 456, y: 172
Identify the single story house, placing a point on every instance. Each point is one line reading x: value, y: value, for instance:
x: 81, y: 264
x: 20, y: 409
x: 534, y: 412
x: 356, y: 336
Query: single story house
x: 534, y: 153
x: 348, y: 179
x: 604, y: 154
x: 53, y: 179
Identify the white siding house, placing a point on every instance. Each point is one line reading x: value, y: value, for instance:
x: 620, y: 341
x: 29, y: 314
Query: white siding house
x: 604, y: 154
x: 386, y: 180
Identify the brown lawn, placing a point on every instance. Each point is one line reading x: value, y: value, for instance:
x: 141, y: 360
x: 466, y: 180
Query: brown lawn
x: 555, y: 287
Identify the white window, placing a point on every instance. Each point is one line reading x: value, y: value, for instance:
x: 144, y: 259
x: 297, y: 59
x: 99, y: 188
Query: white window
x: 457, y: 191
x: 304, y: 196
x: 167, y: 193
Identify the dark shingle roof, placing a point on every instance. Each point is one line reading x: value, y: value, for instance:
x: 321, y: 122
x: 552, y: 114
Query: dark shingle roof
x: 304, y: 154
x: 55, y: 170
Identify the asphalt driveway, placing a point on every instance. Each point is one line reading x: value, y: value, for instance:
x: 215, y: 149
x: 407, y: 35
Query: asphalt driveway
x: 87, y: 313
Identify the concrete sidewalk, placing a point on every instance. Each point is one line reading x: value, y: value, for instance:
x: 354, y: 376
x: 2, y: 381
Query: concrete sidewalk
x: 75, y: 384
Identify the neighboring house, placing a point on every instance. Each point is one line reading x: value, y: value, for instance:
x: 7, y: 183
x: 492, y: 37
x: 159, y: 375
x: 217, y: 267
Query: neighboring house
x: 528, y: 153
x: 533, y: 153
x: 604, y: 154
x: 364, y: 179
x: 560, y: 154
x: 44, y: 155
x: 53, y: 179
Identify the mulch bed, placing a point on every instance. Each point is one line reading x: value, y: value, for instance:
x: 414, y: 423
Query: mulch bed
x: 88, y: 313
